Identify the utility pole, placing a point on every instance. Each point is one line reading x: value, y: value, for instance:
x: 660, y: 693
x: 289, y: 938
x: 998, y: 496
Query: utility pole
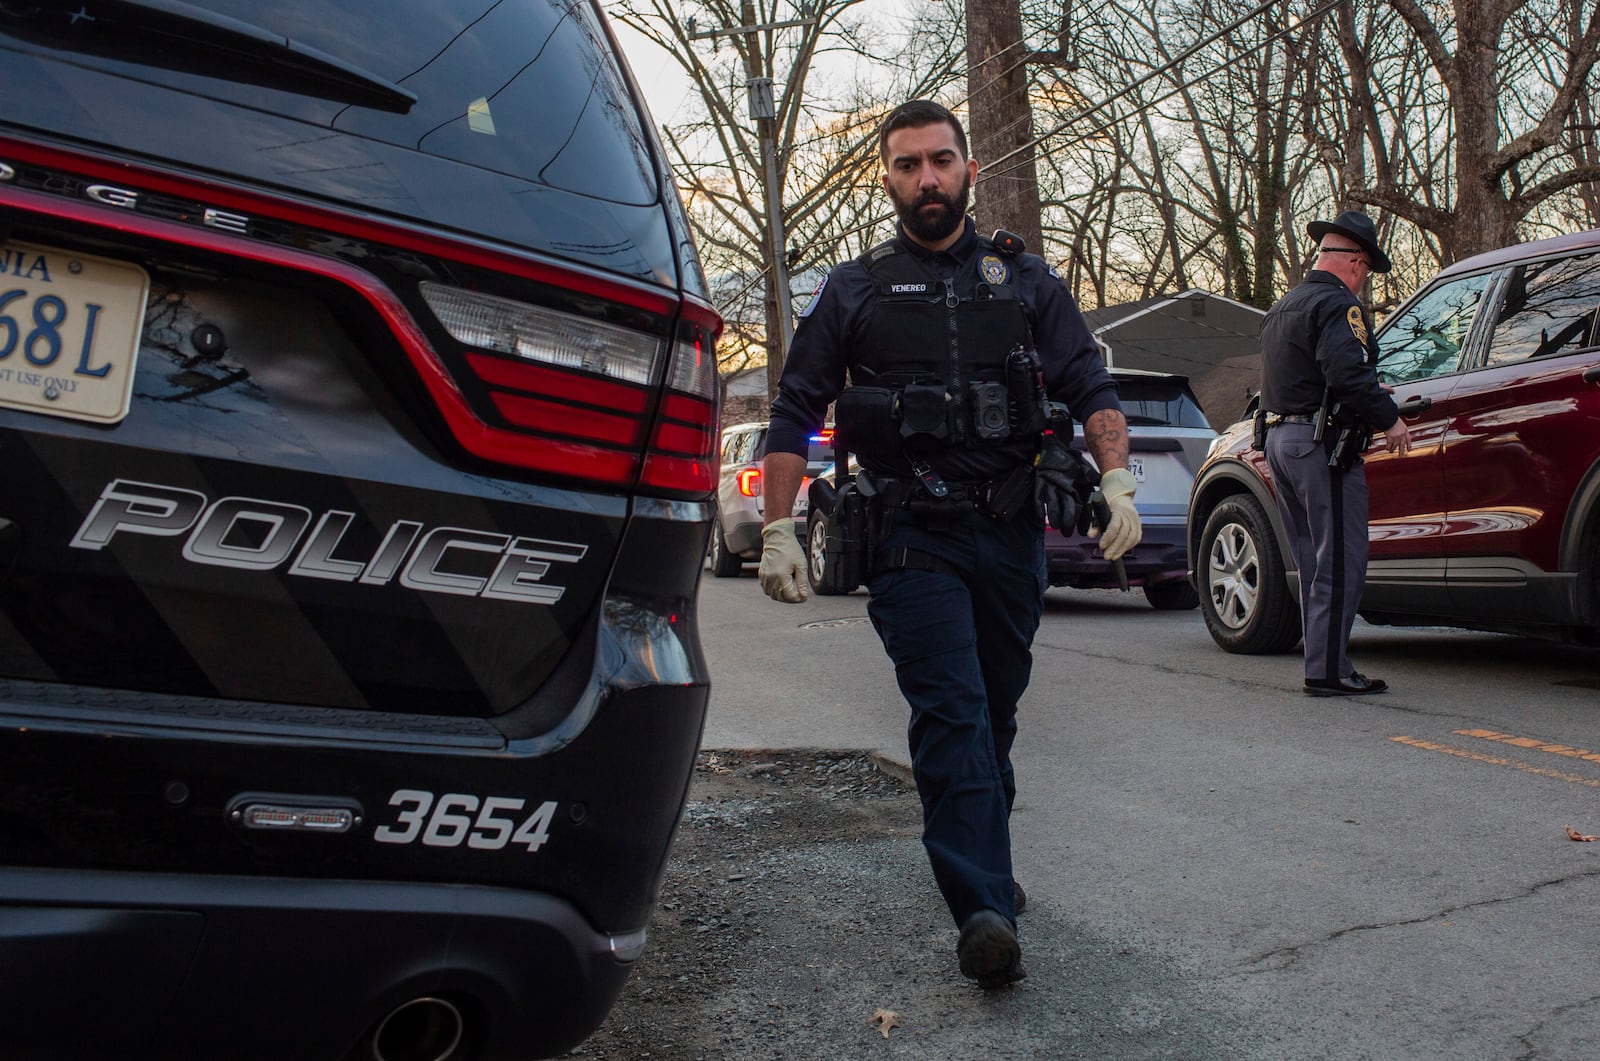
x: 763, y: 111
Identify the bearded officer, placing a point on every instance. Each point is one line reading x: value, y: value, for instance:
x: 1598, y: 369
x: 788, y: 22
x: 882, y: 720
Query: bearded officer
x: 1318, y: 353
x: 930, y: 326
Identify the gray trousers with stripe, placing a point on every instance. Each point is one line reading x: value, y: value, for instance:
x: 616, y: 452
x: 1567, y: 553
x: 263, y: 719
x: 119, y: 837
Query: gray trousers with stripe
x: 1324, y: 513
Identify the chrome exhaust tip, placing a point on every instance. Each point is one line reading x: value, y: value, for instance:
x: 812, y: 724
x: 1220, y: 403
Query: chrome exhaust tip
x: 424, y: 1029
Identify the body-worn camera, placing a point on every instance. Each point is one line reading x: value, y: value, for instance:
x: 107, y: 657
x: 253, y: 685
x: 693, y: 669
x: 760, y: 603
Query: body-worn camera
x: 991, y: 419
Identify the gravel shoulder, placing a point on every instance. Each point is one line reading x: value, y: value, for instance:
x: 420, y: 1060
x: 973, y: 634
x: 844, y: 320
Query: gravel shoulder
x: 798, y: 908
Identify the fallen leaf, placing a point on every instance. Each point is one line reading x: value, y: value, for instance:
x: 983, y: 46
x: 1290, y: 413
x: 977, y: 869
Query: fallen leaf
x: 885, y: 1019
x: 1573, y: 834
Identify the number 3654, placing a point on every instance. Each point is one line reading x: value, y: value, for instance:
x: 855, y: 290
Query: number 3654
x: 485, y: 824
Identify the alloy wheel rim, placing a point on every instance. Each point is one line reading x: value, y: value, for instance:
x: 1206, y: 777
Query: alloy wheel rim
x: 1233, y: 575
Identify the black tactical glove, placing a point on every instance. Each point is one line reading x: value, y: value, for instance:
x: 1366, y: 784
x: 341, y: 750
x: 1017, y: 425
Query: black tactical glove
x: 1062, y: 482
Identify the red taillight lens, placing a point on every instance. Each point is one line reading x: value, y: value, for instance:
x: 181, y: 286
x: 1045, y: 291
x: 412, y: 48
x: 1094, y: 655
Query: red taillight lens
x: 750, y: 482
x: 585, y: 384
x: 682, y: 457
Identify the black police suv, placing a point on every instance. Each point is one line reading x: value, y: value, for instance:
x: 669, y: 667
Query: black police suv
x: 357, y: 459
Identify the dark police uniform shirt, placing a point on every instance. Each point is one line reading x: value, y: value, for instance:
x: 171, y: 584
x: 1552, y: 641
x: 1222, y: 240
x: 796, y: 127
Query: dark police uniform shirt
x: 833, y: 328
x: 1316, y: 336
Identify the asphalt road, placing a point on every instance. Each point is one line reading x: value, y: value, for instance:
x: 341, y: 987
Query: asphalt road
x: 1206, y: 848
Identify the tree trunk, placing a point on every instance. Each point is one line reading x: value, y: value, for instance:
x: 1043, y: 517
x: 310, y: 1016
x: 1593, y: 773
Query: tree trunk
x: 1483, y: 217
x: 1000, y: 121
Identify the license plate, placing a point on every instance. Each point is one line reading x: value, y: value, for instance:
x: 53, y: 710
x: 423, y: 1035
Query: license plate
x: 1136, y: 466
x: 69, y: 332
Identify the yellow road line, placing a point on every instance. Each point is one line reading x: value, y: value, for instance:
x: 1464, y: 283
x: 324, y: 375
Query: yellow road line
x: 1497, y: 760
x: 1531, y: 742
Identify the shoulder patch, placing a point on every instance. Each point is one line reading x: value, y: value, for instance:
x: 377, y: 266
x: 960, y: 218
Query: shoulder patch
x: 816, y: 296
x: 993, y: 269
x: 1052, y: 271
x: 1358, y: 324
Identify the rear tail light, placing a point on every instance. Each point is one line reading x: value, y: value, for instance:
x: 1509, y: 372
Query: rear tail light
x: 583, y: 387
x: 682, y: 456
x: 487, y: 322
x: 750, y: 482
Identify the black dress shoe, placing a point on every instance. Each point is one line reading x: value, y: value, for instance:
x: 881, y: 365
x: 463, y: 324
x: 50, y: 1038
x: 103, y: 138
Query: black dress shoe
x: 989, y: 952
x: 1355, y: 685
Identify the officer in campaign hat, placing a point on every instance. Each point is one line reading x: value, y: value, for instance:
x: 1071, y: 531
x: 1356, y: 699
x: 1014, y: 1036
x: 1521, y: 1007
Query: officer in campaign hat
x: 955, y: 348
x: 1323, y: 402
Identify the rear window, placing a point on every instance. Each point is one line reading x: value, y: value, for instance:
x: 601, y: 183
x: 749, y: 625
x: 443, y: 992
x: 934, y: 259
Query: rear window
x: 524, y: 87
x: 1160, y: 403
x: 527, y: 88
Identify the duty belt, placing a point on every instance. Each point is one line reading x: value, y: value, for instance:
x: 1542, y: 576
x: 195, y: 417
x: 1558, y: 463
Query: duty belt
x: 898, y: 492
x: 1274, y: 419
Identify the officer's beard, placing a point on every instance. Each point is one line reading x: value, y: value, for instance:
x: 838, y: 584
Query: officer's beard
x: 933, y: 226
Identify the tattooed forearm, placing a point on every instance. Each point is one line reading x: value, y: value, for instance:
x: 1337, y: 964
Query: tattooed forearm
x: 1106, y: 433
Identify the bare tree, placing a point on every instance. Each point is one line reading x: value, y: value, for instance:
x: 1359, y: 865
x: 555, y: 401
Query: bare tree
x: 1510, y: 74
x: 827, y: 102
x: 1203, y: 103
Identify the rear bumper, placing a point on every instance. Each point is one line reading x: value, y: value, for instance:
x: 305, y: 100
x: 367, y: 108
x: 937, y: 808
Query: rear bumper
x: 183, y: 966
x: 1160, y: 556
x: 510, y: 865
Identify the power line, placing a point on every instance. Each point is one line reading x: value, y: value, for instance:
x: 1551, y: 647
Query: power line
x: 1168, y: 67
x: 1172, y: 65
x: 1037, y: 143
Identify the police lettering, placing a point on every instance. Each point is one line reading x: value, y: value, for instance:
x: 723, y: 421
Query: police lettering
x: 254, y: 534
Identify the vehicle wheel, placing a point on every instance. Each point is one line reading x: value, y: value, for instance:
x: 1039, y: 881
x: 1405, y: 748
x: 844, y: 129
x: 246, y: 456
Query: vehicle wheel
x: 1174, y: 595
x: 816, y: 557
x: 1247, y: 606
x: 725, y: 563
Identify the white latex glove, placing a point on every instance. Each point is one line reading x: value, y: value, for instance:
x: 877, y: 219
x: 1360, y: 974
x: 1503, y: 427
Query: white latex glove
x: 1122, y: 532
x: 783, y: 563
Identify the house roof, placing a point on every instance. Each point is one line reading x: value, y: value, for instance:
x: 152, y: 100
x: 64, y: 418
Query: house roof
x: 1213, y: 340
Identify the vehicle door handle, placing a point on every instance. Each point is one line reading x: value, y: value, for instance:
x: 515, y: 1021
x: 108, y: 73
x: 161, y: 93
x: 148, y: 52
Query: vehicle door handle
x: 1413, y: 406
x: 1592, y: 375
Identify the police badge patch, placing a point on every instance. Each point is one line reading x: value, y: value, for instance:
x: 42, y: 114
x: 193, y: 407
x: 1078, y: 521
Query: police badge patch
x: 993, y: 269
x: 1358, y: 324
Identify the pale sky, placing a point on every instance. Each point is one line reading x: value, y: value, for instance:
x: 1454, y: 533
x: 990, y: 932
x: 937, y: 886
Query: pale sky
x: 665, y: 86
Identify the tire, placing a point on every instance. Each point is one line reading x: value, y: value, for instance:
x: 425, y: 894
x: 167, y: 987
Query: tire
x: 724, y: 562
x: 1246, y: 602
x: 1174, y: 595
x: 816, y: 559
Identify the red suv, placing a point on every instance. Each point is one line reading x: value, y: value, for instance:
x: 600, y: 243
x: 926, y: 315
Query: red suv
x: 1492, y: 521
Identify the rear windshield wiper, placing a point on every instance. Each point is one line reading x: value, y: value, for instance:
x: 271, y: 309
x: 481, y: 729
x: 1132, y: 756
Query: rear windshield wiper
x: 180, y: 36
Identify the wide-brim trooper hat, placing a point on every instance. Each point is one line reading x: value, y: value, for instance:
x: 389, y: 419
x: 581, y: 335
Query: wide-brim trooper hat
x: 1353, y: 224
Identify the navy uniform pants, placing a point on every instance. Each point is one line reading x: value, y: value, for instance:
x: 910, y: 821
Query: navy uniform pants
x: 960, y: 636
x: 1324, y: 513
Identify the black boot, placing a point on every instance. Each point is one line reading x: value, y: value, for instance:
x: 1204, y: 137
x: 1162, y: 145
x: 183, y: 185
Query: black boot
x: 989, y: 952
